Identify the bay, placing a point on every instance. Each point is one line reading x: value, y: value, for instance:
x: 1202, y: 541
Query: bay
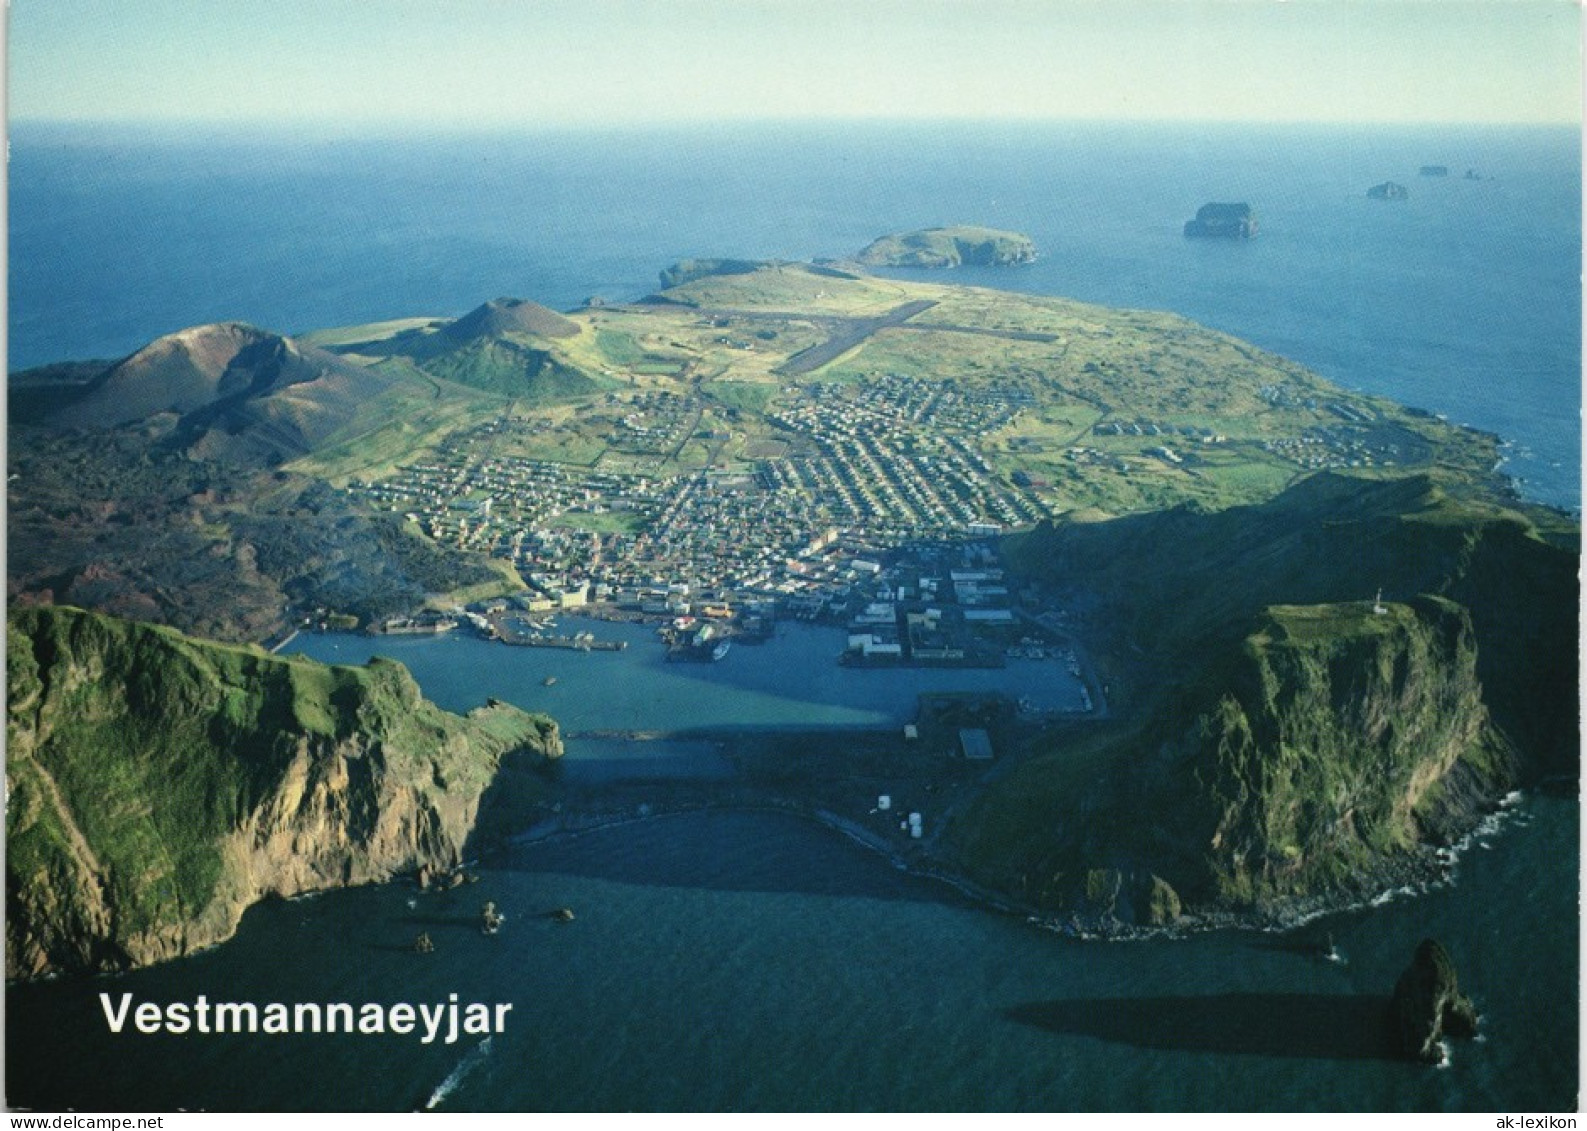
x: 791, y: 682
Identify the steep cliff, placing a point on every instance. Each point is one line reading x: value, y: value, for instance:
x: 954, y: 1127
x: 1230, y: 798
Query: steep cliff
x: 1278, y: 746
x: 159, y: 785
x: 1319, y: 762
x: 1344, y: 739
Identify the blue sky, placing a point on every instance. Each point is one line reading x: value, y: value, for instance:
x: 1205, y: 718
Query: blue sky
x: 556, y: 62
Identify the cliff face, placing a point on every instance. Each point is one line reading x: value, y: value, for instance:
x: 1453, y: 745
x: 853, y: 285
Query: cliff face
x: 1345, y: 739
x: 1277, y: 743
x: 159, y: 785
x: 1318, y: 763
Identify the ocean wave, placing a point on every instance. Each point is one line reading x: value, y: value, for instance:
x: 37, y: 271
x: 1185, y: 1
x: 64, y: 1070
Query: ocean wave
x: 472, y: 1060
x: 1399, y: 893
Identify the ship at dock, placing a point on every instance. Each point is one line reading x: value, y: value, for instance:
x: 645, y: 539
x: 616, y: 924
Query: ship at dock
x: 533, y: 635
x: 704, y: 644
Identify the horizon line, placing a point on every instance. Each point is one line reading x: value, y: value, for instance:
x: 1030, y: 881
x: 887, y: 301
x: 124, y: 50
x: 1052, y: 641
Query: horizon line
x: 478, y: 125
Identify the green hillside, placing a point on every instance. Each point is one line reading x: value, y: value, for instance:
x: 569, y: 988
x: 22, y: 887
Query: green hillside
x: 510, y: 348
x: 161, y: 784
x: 1281, y: 741
x: 510, y: 368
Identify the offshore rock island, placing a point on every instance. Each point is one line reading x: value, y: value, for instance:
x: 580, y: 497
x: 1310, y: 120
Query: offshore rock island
x: 1223, y: 221
x: 1292, y: 607
x: 949, y: 247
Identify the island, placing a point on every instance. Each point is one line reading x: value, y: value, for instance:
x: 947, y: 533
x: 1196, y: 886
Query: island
x: 1388, y: 190
x: 949, y: 247
x: 1223, y: 221
x: 1287, y: 608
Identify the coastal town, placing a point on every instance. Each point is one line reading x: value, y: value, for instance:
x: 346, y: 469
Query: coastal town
x: 878, y: 517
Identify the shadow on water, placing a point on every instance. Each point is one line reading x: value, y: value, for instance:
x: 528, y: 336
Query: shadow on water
x: 467, y: 922
x: 1315, y: 941
x: 1308, y: 1026
x: 390, y: 948
x: 732, y: 851
x: 1315, y: 946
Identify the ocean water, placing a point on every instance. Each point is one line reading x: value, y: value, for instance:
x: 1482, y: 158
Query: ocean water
x: 1463, y: 300
x: 791, y: 682
x: 755, y: 962
x: 758, y: 962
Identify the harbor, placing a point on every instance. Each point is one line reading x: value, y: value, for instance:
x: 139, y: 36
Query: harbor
x: 791, y: 679
x: 521, y: 633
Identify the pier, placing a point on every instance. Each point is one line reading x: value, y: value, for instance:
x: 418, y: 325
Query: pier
x: 578, y: 642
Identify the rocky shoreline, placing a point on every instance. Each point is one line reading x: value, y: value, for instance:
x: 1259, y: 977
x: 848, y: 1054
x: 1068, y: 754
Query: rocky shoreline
x: 1430, y: 870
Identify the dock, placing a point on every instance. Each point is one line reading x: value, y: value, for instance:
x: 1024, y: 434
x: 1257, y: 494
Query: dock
x: 578, y: 642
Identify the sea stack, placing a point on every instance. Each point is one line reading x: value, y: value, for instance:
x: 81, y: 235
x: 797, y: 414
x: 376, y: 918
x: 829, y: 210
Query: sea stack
x: 1429, y: 1006
x: 1223, y: 221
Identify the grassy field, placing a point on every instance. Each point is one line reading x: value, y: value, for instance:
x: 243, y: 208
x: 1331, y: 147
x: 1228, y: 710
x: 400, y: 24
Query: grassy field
x: 507, y: 582
x: 936, y: 355
x: 609, y: 522
x: 1127, y: 387
x: 751, y: 397
x: 395, y: 427
x: 618, y: 347
x: 798, y: 290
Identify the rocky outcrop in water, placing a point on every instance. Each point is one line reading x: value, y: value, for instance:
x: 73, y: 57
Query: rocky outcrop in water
x: 160, y: 785
x: 1223, y: 221
x: 949, y: 247
x: 1428, y: 1004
